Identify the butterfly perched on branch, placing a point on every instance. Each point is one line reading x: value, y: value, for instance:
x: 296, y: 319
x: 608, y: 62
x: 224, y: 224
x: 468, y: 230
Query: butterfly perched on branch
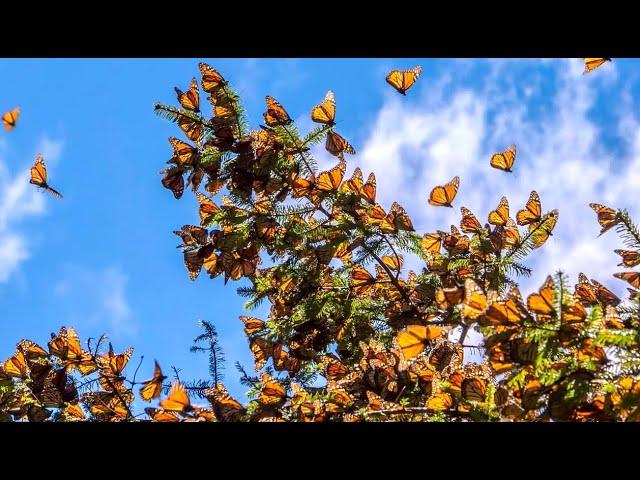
x: 10, y: 118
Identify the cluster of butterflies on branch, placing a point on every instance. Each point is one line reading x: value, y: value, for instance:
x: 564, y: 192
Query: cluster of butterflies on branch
x: 389, y: 346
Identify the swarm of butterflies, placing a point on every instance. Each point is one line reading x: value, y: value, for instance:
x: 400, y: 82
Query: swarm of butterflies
x: 350, y: 335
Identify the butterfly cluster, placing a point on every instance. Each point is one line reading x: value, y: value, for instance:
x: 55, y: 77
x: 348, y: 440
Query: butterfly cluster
x: 352, y: 334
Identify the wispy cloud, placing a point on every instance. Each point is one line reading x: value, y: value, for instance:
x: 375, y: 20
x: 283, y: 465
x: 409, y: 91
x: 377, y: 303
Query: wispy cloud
x: 96, y: 299
x: 18, y: 201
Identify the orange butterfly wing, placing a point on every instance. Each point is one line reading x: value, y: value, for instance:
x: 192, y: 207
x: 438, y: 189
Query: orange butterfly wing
x: 442, y: 196
x: 177, y: 400
x: 325, y: 112
x: 275, y: 114
x: 337, y: 145
x: 591, y: 64
x: 10, y: 118
x: 532, y: 212
x: 190, y: 99
x: 403, y: 80
x: 504, y: 160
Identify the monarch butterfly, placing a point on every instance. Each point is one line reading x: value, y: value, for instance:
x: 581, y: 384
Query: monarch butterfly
x: 431, y: 242
x: 505, y: 313
x: 630, y: 258
x: 272, y: 391
x: 544, y: 228
x: 66, y: 346
x: 177, y: 400
x: 543, y: 302
x: 207, y: 208
x: 151, y: 388
x: 532, y: 212
x: 326, y: 111
x: 10, y: 118
x: 394, y: 263
x: 397, y: 219
x: 39, y: 176
x: 377, y: 403
x: 224, y: 111
x: 584, y: 291
x: 242, y: 263
x: 500, y: 216
x: 31, y: 350
x: 573, y: 312
x: 159, y: 415
x: 330, y: 180
x: 611, y: 318
x: 593, y: 63
x: 475, y: 302
x: 183, y: 153
x: 16, y: 366
x: 192, y: 235
x: 449, y: 297
x: 334, y: 369
x: 632, y: 277
x: 469, y: 222
x: 474, y: 389
x: 275, y: 114
x: 604, y: 295
x: 252, y: 325
x: 403, y: 80
x: 361, y: 280
x: 504, y: 160
x: 191, y: 98
x: 195, y: 259
x: 455, y: 242
x: 112, y: 364
x: 73, y: 412
x: 440, y: 401
x: 225, y: 407
x: 261, y: 349
x: 442, y: 196
x: 173, y: 180
x: 414, y: 339
x: 607, y: 217
x: 211, y: 79
x: 192, y: 127
x: 364, y: 190
x: 337, y: 145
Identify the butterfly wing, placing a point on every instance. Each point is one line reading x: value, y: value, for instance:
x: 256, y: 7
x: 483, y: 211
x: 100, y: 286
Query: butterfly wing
x: 211, y: 79
x: 442, y: 196
x: 177, y: 400
x: 403, y: 81
x: 591, y: 64
x: 504, y: 160
x: 325, y: 112
x: 607, y: 217
x: 190, y: 99
x: 532, y: 211
x: 275, y: 114
x: 336, y: 144
x: 500, y: 216
x: 10, y: 118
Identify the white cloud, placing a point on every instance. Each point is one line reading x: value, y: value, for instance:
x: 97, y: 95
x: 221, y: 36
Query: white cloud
x: 19, y: 200
x: 96, y: 299
x: 451, y: 125
x: 11, y: 254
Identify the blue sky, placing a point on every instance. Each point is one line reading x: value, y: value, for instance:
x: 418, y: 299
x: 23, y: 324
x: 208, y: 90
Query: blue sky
x: 104, y: 259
